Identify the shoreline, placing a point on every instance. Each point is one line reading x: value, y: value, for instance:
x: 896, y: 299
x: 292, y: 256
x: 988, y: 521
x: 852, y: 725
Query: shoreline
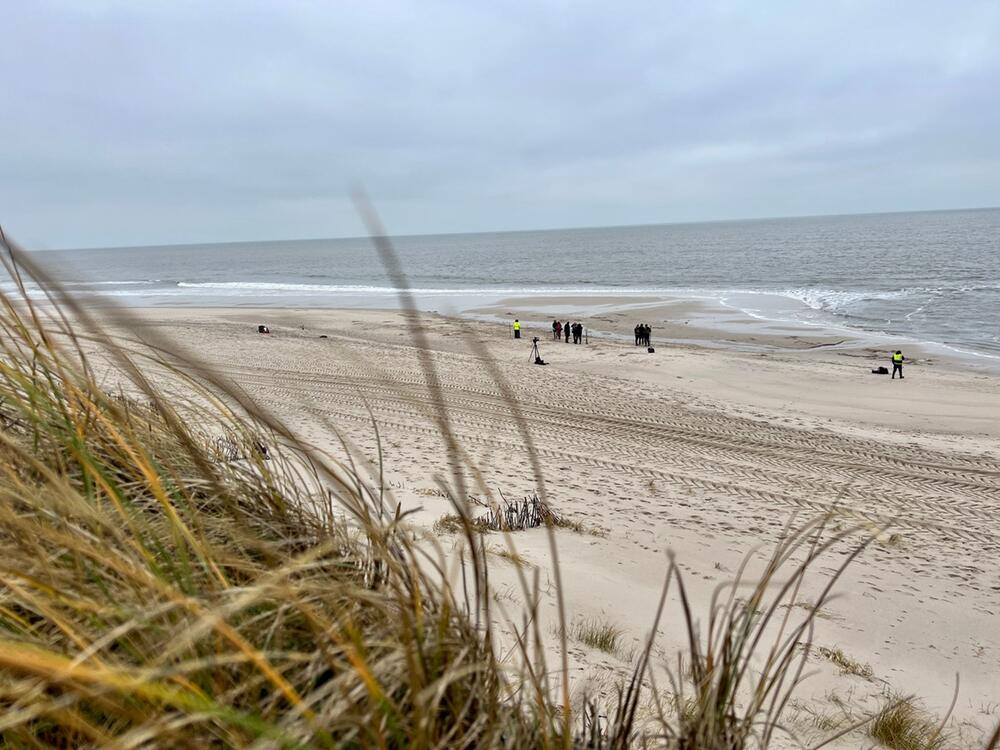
x: 711, y: 324
x: 705, y: 322
x: 716, y: 317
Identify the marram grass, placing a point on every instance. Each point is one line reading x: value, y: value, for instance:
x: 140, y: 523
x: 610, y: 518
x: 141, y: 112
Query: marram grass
x: 154, y: 594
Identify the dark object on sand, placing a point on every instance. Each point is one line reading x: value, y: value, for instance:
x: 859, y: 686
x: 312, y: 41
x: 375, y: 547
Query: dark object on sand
x: 650, y: 349
x: 880, y: 371
x: 263, y: 329
x: 323, y: 336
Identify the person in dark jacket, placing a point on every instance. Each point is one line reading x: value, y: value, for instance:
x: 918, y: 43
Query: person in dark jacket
x: 566, y: 330
x: 556, y: 330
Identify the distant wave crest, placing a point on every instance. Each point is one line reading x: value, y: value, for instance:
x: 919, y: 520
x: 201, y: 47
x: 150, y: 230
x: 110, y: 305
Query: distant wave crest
x: 255, y: 286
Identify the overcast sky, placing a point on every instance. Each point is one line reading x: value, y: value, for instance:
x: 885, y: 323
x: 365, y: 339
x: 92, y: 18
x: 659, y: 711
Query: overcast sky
x: 157, y: 122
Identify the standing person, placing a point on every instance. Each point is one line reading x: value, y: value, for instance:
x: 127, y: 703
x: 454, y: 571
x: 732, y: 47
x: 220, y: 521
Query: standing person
x: 556, y: 330
x: 646, y: 332
x: 897, y: 364
x: 566, y: 330
x: 578, y: 333
x: 638, y: 333
x: 517, y: 328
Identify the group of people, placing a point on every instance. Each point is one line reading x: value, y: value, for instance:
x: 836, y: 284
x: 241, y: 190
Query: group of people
x: 642, y: 331
x: 559, y: 329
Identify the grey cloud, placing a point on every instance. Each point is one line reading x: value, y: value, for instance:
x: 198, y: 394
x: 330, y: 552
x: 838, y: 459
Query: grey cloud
x: 180, y: 121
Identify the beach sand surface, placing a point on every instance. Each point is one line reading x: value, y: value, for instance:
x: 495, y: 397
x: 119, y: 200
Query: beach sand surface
x: 705, y: 452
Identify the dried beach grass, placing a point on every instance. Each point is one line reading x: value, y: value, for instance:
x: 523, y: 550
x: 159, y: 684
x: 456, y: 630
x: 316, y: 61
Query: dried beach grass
x: 901, y: 725
x: 597, y: 633
x: 155, y: 593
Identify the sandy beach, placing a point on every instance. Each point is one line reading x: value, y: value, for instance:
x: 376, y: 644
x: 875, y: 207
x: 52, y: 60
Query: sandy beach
x: 706, y: 451
x: 293, y: 455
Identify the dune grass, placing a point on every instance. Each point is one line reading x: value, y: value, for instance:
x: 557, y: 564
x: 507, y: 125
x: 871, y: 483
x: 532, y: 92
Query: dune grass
x: 901, y: 725
x: 597, y: 633
x: 154, y: 593
x: 745, y: 669
x: 453, y: 523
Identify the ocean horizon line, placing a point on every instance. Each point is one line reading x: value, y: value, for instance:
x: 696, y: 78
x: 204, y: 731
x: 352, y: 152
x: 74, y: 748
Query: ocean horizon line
x: 538, y: 230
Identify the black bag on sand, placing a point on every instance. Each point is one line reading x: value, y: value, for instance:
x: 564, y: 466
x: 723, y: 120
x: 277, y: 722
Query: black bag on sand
x: 880, y: 371
x: 263, y: 329
x: 650, y: 350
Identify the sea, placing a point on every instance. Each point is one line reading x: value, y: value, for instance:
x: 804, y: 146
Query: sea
x: 923, y: 276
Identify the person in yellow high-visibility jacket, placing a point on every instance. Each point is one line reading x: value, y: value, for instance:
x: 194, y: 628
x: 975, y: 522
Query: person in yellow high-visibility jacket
x: 897, y: 365
x: 517, y: 328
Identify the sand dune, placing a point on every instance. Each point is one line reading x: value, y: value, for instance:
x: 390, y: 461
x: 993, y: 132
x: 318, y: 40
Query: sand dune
x: 707, y: 453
